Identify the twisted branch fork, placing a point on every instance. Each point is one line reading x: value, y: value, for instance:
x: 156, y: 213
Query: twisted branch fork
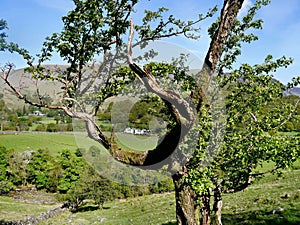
x: 182, y: 110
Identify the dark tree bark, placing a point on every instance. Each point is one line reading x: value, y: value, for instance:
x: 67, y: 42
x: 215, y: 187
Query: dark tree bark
x: 205, y: 209
x: 187, y: 208
x: 187, y: 204
x: 218, y: 204
x: 228, y: 15
x: 187, y: 214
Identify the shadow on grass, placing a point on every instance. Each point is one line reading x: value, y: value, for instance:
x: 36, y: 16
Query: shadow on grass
x: 259, y: 217
x: 89, y: 208
x: 3, y: 222
x: 289, y: 217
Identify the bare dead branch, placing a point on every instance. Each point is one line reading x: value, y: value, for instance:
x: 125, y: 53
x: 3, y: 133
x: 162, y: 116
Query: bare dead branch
x: 253, y: 116
x: 179, y: 106
x: 6, y: 70
x: 228, y: 15
x: 129, y: 45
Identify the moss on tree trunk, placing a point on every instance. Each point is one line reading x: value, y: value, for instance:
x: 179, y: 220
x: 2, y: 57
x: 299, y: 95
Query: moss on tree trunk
x: 187, y: 209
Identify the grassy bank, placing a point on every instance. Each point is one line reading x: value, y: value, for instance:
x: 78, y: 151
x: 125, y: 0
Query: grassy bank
x: 271, y: 200
x: 13, y: 210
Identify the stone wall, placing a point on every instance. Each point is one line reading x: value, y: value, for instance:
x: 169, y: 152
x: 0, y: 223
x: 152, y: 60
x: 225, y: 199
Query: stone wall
x: 34, y: 220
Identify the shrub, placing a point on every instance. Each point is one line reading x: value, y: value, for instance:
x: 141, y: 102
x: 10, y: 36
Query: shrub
x: 9, y: 126
x: 40, y: 127
x: 5, y: 185
x: 51, y: 127
x: 288, y: 126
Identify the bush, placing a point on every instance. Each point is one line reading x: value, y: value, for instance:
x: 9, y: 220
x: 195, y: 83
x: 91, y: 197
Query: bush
x: 72, y: 168
x: 41, y: 180
x: 288, y: 127
x: 69, y: 127
x: 24, y: 127
x: 64, y: 127
x: 40, y: 127
x: 94, y: 151
x: 51, y: 127
x: 106, y: 127
x: 90, y: 186
x: 163, y: 186
x: 18, y: 167
x: 5, y: 185
x: 8, y: 126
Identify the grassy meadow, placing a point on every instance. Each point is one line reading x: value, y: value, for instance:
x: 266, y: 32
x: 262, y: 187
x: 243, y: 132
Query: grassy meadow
x: 56, y: 142
x: 12, y: 209
x: 272, y: 201
x: 136, y: 142
x: 33, y: 141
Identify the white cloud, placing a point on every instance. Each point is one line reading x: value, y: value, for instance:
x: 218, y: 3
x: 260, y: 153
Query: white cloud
x: 245, y: 7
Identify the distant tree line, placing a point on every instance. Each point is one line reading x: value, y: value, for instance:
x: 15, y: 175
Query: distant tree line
x: 146, y: 109
x: 67, y: 174
x: 23, y: 119
x: 139, y: 116
x: 142, y: 113
x: 294, y: 123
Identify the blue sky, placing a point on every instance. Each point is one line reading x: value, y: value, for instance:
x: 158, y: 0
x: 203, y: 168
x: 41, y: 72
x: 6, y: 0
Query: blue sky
x: 30, y: 21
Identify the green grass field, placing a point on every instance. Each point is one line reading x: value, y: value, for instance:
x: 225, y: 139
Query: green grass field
x: 11, y: 209
x: 264, y: 202
x: 34, y: 141
x: 136, y: 142
x: 272, y: 200
x: 56, y: 142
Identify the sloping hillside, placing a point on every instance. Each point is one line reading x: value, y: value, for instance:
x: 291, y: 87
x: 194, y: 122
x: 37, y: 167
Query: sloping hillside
x: 24, y: 82
x: 27, y: 85
x: 295, y: 91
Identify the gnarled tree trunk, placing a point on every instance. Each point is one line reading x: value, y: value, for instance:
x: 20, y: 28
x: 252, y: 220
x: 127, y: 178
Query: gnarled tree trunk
x: 187, y: 209
x: 205, y: 209
x: 217, y: 208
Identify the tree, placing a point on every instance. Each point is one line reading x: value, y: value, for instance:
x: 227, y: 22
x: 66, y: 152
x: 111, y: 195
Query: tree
x: 95, y: 27
x: 72, y: 167
x: 90, y: 186
x: 3, y: 36
x: 40, y: 170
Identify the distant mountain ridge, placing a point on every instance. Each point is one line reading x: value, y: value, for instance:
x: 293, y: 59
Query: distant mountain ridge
x: 293, y: 91
x: 21, y: 79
